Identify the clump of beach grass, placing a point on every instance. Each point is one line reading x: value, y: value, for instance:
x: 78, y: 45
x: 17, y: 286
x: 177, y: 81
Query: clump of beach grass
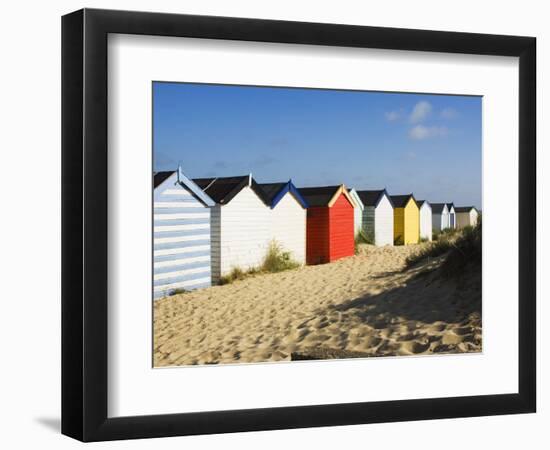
x: 398, y: 240
x: 238, y: 274
x: 178, y: 291
x: 275, y: 260
x: 445, y: 233
x: 464, y: 253
x: 362, y: 237
x: 433, y: 250
x: 462, y: 247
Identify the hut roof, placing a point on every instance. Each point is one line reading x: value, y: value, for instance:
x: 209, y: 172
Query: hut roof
x: 274, y: 192
x: 160, y: 177
x: 438, y: 207
x: 319, y: 196
x: 465, y: 209
x: 372, y: 198
x: 420, y: 203
x: 270, y: 190
x: 400, y: 201
x: 223, y: 189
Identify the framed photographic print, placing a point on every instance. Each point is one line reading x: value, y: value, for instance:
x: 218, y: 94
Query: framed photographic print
x: 273, y: 224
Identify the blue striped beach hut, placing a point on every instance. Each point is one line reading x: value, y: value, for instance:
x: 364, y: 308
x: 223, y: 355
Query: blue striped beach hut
x: 181, y: 240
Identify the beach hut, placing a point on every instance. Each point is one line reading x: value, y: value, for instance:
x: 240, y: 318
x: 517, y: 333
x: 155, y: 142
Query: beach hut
x: 377, y: 219
x: 440, y: 217
x: 466, y: 216
x: 452, y: 215
x: 330, y: 224
x: 406, y: 219
x: 181, y: 234
x: 425, y: 211
x: 240, y: 223
x: 357, y: 211
x: 288, y: 218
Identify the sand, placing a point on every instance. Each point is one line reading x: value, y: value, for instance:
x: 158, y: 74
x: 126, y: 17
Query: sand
x: 366, y: 305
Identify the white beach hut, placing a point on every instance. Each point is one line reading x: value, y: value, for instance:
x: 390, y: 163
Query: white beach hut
x: 452, y: 215
x: 181, y: 235
x: 288, y: 218
x: 440, y: 217
x: 466, y: 216
x: 377, y: 216
x: 425, y: 219
x: 358, y: 208
x: 240, y: 224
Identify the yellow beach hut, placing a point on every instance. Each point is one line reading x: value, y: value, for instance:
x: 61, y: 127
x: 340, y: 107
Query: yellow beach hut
x: 406, y: 219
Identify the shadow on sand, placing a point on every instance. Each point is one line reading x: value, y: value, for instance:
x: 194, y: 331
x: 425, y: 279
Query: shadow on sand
x: 422, y: 295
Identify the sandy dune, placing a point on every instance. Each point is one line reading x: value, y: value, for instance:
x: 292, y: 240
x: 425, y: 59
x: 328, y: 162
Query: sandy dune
x: 365, y: 303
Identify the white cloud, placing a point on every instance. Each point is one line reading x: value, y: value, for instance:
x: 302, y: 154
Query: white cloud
x: 420, y: 132
x: 449, y: 113
x: 392, y: 116
x: 420, y: 111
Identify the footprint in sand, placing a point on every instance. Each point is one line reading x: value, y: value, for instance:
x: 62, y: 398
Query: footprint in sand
x: 437, y: 327
x: 416, y: 347
x: 462, y: 331
x: 407, y: 337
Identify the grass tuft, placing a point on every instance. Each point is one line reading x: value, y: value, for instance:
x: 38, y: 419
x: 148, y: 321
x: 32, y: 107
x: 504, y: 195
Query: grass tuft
x: 178, y: 291
x: 465, y: 252
x: 463, y: 248
x: 446, y: 233
x: 276, y: 260
x: 362, y: 237
x: 437, y: 248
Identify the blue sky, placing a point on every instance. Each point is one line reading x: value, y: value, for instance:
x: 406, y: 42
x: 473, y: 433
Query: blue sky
x: 426, y: 144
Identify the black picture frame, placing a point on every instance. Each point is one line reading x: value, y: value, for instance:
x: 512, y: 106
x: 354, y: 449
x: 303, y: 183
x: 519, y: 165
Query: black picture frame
x: 84, y: 224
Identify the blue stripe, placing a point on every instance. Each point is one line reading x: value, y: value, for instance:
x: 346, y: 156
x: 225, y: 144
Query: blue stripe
x: 170, y: 222
x: 172, y: 245
x: 179, y: 278
x: 182, y: 210
x: 160, y: 294
x: 183, y: 255
x: 182, y: 266
x: 166, y: 234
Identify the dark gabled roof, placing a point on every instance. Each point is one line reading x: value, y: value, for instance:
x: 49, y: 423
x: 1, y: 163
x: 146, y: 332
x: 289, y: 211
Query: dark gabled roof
x: 160, y: 177
x: 318, y: 196
x: 372, y: 198
x: 369, y: 198
x: 400, y: 201
x: 437, y: 208
x: 420, y: 203
x: 270, y: 190
x: 274, y: 192
x: 223, y: 189
x: 464, y: 209
x: 450, y: 205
